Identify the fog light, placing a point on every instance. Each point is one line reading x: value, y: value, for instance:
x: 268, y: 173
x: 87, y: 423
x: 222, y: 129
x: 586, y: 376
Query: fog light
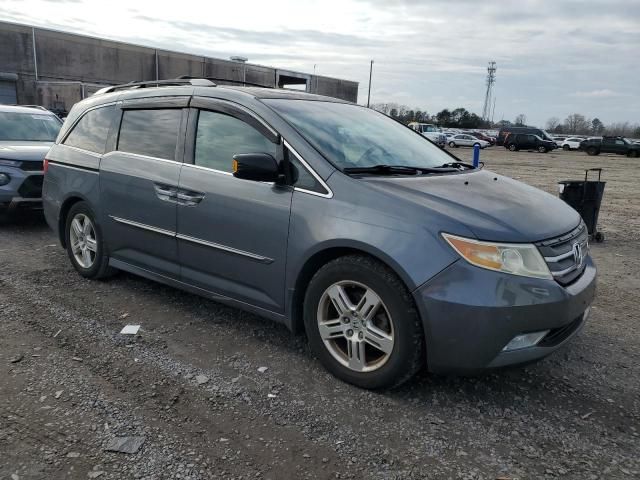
x: 4, y: 179
x: 525, y: 340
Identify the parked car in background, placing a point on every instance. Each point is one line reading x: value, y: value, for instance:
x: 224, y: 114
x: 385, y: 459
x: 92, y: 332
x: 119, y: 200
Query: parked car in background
x: 571, y: 143
x: 617, y: 145
x: 484, y: 137
x: 528, y: 141
x: 505, y: 131
x: 431, y: 132
x: 324, y: 215
x: 467, y: 140
x: 26, y: 134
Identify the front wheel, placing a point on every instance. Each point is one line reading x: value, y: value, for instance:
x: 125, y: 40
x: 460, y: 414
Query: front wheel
x: 592, y: 151
x: 566, y: 148
x: 85, y: 246
x: 452, y: 144
x: 512, y: 147
x: 542, y: 149
x: 362, y: 323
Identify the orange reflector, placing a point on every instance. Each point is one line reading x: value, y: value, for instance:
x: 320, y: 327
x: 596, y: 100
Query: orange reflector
x: 235, y: 166
x: 484, y: 255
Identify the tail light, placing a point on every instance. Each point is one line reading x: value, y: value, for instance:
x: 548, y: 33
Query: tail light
x: 45, y: 165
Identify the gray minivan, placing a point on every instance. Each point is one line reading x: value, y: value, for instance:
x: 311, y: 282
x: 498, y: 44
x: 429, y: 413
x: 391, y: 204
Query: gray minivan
x: 323, y: 215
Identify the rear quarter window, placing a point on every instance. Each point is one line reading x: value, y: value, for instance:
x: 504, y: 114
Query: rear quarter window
x: 91, y: 131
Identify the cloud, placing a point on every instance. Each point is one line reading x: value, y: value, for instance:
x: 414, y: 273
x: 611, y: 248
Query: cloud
x: 603, y: 93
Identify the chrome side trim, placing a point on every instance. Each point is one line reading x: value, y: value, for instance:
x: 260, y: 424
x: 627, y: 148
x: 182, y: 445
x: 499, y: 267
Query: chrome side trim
x: 144, y: 226
x: 79, y: 169
x: 81, y: 150
x: 312, y: 172
x: 144, y: 157
x: 224, y: 248
x: 207, y: 169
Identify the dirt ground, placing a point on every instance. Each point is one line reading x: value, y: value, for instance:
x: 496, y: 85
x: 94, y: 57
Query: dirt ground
x: 189, y: 383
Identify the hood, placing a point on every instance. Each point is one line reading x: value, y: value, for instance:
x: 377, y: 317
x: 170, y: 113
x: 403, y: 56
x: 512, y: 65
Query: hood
x: 24, y: 151
x: 493, y: 207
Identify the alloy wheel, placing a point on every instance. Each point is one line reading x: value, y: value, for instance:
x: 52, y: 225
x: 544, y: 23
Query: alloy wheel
x: 355, y: 326
x: 82, y: 237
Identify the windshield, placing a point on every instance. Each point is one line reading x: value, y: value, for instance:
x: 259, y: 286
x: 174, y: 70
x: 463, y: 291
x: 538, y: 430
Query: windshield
x: 351, y: 136
x: 428, y: 128
x: 28, y: 127
x: 546, y: 135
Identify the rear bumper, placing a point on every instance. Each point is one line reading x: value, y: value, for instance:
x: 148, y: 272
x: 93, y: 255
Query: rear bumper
x: 470, y: 314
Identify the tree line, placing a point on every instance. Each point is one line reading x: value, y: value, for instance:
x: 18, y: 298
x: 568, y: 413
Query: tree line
x: 575, y: 123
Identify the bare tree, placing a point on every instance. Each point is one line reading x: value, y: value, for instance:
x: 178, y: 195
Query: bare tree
x: 521, y: 120
x: 577, y: 123
x: 553, y: 123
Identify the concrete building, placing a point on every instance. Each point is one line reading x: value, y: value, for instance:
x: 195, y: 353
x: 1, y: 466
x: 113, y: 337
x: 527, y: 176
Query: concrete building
x: 57, y: 69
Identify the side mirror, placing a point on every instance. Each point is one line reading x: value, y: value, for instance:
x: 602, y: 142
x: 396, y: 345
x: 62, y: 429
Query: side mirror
x: 260, y: 167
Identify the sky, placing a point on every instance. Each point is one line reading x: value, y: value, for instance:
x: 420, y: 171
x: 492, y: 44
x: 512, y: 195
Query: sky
x: 553, y: 58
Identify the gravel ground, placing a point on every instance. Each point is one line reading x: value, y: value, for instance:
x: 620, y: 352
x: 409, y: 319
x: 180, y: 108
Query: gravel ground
x: 191, y: 387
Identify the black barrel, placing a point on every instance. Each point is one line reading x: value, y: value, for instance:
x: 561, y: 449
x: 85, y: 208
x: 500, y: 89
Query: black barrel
x: 585, y: 196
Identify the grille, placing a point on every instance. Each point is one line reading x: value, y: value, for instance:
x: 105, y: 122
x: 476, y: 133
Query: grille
x: 32, y: 166
x: 560, y: 254
x: 31, y: 187
x: 558, y: 335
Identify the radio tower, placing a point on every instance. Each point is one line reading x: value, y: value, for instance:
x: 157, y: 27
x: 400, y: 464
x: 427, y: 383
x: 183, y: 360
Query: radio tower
x: 491, y: 80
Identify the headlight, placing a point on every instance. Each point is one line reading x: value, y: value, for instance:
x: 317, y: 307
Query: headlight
x: 515, y: 258
x: 9, y: 163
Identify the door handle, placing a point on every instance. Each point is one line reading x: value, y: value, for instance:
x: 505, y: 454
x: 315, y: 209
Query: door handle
x: 165, y: 192
x: 189, y: 198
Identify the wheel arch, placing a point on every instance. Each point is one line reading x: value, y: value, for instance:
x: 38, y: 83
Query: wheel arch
x: 321, y: 257
x: 66, y: 205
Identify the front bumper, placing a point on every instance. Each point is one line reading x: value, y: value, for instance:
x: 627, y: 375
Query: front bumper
x: 24, y: 190
x: 469, y: 314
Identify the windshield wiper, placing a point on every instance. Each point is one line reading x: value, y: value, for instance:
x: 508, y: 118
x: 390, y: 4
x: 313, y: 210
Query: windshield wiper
x: 457, y: 165
x: 393, y: 169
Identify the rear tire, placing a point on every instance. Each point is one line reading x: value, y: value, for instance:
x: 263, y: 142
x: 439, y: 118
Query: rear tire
x: 452, y: 144
x: 566, y: 148
x: 375, y: 347
x: 592, y: 151
x: 512, y: 147
x: 85, y: 245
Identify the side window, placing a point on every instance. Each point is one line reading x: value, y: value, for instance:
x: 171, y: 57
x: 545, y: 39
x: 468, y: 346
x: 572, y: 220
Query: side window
x: 150, y: 132
x: 90, y: 133
x: 301, y: 177
x: 219, y: 137
x: 619, y: 142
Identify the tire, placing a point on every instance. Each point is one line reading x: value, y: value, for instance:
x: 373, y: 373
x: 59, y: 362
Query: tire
x: 599, y: 237
x: 542, y: 149
x: 634, y: 154
x: 452, y: 144
x: 566, y: 148
x: 91, y: 261
x: 395, y: 320
x: 512, y: 147
x: 592, y: 151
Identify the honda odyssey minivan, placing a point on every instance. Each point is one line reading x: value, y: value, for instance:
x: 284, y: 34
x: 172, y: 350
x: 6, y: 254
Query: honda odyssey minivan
x: 329, y: 217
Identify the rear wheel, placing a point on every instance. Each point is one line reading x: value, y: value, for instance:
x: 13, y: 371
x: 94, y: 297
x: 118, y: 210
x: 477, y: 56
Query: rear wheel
x: 566, y: 148
x: 85, y: 246
x: 512, y: 147
x: 592, y: 151
x: 362, y: 323
x: 452, y: 144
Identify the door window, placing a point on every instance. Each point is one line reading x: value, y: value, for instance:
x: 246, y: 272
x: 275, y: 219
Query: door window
x: 153, y: 133
x: 90, y: 133
x: 219, y: 137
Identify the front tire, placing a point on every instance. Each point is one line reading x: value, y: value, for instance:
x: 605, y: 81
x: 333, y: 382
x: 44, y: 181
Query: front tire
x: 592, y: 151
x: 452, y: 144
x: 362, y: 323
x: 85, y: 245
x: 566, y: 148
x: 542, y: 149
x: 512, y: 147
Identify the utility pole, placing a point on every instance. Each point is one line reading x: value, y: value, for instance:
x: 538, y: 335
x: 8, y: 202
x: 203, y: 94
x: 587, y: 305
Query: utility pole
x: 491, y: 80
x: 370, y: 72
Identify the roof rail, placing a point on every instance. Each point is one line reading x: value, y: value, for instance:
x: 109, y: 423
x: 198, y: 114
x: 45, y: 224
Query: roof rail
x: 199, y: 82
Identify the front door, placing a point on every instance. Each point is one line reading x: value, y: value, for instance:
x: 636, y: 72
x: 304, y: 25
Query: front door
x: 138, y: 182
x: 232, y: 233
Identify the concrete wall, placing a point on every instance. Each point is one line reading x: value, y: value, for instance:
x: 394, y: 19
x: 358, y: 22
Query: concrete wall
x: 86, y: 63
